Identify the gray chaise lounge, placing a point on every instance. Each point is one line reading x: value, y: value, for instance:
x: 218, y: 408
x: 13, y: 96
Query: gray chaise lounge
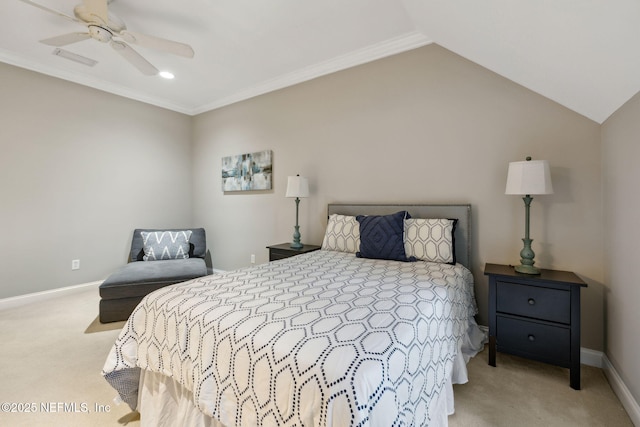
x: 121, y: 292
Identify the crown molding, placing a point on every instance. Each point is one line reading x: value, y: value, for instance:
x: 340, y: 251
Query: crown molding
x: 84, y: 80
x: 380, y: 50
x: 371, y: 53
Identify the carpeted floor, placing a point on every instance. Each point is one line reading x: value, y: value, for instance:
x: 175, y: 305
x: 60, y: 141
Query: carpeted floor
x: 51, y: 364
x: 523, y: 393
x: 52, y: 353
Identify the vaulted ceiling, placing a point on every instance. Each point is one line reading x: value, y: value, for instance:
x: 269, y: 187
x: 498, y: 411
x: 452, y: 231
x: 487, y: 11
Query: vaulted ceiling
x: 583, y: 54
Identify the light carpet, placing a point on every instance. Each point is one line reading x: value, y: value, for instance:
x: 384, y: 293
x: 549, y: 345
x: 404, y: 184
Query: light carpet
x: 52, y: 353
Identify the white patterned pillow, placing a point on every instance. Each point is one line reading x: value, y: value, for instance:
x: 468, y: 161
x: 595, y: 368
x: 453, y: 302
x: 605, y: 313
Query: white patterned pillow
x: 430, y: 239
x: 159, y: 245
x: 342, y: 235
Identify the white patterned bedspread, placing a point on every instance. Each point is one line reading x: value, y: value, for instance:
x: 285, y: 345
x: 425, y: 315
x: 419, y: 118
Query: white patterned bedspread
x: 320, y: 339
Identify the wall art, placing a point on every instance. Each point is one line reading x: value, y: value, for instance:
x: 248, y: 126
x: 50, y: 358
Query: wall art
x: 247, y: 172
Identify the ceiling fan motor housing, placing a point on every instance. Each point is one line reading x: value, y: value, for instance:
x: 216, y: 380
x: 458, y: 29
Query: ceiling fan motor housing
x: 112, y: 22
x: 100, y: 33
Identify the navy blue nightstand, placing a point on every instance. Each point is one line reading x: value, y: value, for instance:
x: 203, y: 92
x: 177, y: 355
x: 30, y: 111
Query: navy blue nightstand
x: 535, y: 316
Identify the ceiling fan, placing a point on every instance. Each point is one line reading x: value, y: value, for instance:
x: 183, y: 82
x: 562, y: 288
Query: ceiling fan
x: 105, y: 27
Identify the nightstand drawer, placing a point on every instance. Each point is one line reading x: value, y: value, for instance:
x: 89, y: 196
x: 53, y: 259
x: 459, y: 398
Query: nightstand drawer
x: 534, y: 340
x: 284, y: 250
x: 275, y: 254
x: 535, y: 302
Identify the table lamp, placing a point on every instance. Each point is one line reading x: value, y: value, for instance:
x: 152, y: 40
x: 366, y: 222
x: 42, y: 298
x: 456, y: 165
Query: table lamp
x: 297, y: 186
x: 531, y: 177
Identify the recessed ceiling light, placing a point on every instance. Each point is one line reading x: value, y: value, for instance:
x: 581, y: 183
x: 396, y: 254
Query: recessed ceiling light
x: 166, y: 75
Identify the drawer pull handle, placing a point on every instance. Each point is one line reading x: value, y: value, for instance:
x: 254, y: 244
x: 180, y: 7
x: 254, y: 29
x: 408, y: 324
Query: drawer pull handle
x: 532, y: 338
x: 532, y: 301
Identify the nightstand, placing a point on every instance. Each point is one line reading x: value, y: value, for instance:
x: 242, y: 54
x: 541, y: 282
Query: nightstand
x: 535, y: 316
x: 285, y: 250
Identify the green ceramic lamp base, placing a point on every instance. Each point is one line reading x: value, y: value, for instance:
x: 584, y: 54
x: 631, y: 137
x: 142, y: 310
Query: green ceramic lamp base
x: 527, y: 269
x: 526, y: 259
x: 296, y: 244
x: 526, y: 254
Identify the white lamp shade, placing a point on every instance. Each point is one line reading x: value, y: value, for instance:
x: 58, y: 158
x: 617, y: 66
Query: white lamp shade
x: 297, y: 186
x: 529, y: 177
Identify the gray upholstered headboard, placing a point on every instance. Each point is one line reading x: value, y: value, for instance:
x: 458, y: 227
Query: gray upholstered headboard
x: 460, y: 212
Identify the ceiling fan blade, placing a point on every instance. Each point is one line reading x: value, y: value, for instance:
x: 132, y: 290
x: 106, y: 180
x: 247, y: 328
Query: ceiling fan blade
x: 157, y: 43
x: 97, y: 8
x: 134, y: 58
x: 65, y: 39
x: 55, y: 12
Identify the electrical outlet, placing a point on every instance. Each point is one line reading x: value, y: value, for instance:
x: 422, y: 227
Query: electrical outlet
x: 253, y: 258
x: 75, y: 264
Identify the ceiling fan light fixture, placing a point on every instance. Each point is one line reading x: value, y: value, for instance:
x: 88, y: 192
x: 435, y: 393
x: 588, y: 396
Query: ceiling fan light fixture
x: 105, y: 27
x: 74, y: 57
x: 166, y: 75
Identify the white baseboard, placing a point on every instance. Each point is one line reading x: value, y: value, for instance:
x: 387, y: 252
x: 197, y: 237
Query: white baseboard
x: 20, y: 300
x: 620, y: 389
x: 591, y: 357
x: 600, y: 360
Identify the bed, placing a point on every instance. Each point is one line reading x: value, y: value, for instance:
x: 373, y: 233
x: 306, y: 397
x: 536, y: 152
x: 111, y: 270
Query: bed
x: 335, y: 337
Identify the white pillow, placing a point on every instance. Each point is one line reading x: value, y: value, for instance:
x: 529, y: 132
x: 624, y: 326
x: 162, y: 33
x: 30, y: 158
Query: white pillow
x: 430, y: 239
x: 342, y: 235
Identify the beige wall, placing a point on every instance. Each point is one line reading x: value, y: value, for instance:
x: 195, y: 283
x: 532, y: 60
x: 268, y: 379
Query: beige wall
x: 422, y: 126
x: 79, y: 170
x: 621, y: 178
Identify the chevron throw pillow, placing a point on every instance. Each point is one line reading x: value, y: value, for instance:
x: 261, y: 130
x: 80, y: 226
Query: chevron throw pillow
x: 160, y: 245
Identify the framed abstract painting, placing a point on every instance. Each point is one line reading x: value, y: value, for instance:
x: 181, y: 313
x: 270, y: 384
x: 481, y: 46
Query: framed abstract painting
x: 247, y: 172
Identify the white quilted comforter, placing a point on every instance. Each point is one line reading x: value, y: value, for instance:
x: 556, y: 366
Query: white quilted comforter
x: 321, y: 339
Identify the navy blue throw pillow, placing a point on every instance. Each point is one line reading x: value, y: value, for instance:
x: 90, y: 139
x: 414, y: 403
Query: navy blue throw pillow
x: 381, y: 236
